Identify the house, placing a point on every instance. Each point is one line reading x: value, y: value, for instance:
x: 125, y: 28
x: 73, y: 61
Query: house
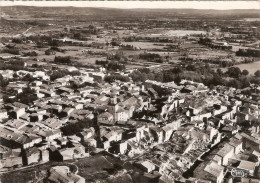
x: 217, y: 159
x: 87, y: 133
x: 47, y: 93
x: 140, y: 130
x: 249, y: 180
x: 36, y: 117
x: 247, y: 166
x: 226, y: 152
x: 229, y: 130
x: 62, y: 141
x: 105, y: 118
x: 14, y: 138
x: 36, y: 83
x: 17, y: 124
x: 28, y: 140
x: 50, y: 135
x: 66, y: 154
x: 167, y: 132
x: 158, y: 134
x: 62, y: 174
x: 123, y: 147
x: 250, y: 143
x: 237, y: 144
x: 133, y: 148
x: 121, y: 115
x: 216, y: 172
x: 52, y: 123
x: 10, y: 157
x: 44, y: 155
x: 78, y: 151
x: 146, y: 166
x: 3, y: 114
x: 67, y: 112
x: 32, y: 155
x: 91, y: 142
x: 18, y: 112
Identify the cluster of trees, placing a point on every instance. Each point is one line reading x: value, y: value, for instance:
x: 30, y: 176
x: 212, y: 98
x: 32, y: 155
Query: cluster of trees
x: 102, y: 62
x: 152, y: 57
x: 114, y: 77
x: 216, y: 61
x: 115, y: 42
x: 128, y: 47
x: 115, y: 66
x: 119, y: 56
x: 111, y: 66
x: 210, y: 43
x: 89, y: 30
x: 74, y: 128
x: 222, y: 62
x: 149, y: 56
x: 30, y: 54
x: 248, y: 53
x: 45, y: 40
x: 77, y: 35
x: 199, y: 73
x: 27, y: 77
x: 62, y: 60
x: 26, y: 97
x: 17, y: 40
x: 15, y: 65
x: 14, y: 51
x: 61, y: 73
x: 235, y: 72
x: 53, y: 50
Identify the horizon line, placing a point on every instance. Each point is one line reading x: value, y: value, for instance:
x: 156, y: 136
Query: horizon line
x: 130, y: 5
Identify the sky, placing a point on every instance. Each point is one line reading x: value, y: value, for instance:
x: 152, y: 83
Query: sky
x: 219, y: 5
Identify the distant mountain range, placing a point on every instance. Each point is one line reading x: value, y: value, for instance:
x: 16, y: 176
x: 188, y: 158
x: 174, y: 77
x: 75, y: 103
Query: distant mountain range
x: 86, y: 11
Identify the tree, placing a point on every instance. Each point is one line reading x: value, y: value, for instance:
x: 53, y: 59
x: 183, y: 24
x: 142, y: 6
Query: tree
x: 245, y: 72
x: 6, y: 99
x: 15, y: 75
x: 219, y: 71
x: 1, y: 78
x: 28, y: 77
x: 257, y: 73
x: 234, y: 72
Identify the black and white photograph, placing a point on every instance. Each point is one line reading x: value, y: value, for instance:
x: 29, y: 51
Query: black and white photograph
x: 130, y: 91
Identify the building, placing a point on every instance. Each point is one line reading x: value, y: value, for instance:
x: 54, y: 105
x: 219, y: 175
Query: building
x: 62, y: 174
x: 146, y: 166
